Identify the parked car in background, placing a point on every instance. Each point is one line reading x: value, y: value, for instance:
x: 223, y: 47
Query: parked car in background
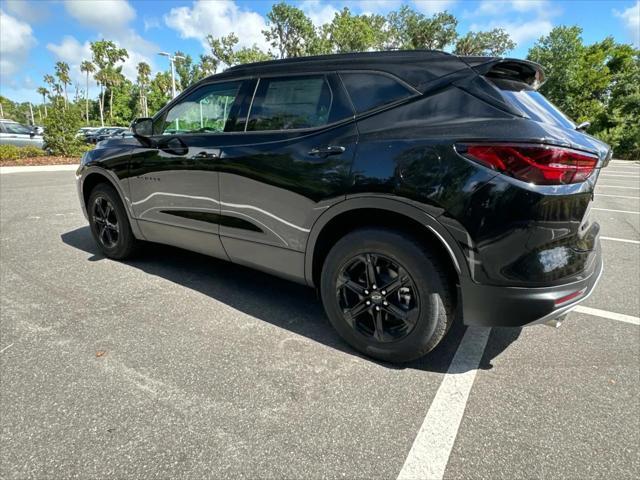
x: 409, y: 188
x: 102, y: 133
x: 14, y: 133
x: 84, y: 131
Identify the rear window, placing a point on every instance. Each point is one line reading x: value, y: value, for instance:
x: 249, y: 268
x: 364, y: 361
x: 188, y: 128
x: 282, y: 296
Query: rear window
x: 284, y: 104
x: 533, y: 103
x: 369, y: 90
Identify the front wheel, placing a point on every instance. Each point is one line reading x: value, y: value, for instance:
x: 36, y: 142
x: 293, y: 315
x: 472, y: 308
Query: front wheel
x: 109, y: 223
x: 386, y: 295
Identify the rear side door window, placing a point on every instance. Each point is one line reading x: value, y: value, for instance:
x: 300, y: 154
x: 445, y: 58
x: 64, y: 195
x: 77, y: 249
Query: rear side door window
x: 369, y: 90
x: 294, y: 103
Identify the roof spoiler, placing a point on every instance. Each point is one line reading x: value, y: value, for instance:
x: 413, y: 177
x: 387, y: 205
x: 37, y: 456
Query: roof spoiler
x: 509, y: 69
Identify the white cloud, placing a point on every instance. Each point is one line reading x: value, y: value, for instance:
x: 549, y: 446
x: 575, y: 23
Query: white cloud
x: 150, y: 23
x: 16, y: 39
x: 520, y: 32
x: 26, y: 10
x: 218, y: 19
x: 433, y: 6
x: 105, y: 15
x: 631, y: 20
x: 110, y: 19
x: 318, y: 12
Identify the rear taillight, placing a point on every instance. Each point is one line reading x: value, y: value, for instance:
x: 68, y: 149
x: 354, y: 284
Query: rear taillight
x: 537, y: 164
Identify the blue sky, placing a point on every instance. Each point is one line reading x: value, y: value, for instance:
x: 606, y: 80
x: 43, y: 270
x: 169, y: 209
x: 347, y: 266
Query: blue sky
x: 34, y: 34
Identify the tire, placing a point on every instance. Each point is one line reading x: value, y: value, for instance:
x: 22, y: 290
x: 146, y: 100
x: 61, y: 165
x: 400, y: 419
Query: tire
x: 406, y: 322
x: 109, y: 223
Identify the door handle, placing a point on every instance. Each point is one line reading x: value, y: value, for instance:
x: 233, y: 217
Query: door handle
x: 205, y: 156
x: 327, y: 150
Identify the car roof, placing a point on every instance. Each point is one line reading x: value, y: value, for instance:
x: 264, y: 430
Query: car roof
x: 418, y: 68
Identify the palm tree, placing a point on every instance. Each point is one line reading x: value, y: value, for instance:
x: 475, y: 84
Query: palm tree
x: 144, y: 72
x: 44, y: 92
x: 62, y: 72
x: 87, y: 67
x: 55, y: 87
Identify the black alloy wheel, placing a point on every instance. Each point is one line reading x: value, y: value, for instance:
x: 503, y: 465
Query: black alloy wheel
x: 378, y: 297
x: 387, y: 294
x: 106, y: 220
x: 109, y: 222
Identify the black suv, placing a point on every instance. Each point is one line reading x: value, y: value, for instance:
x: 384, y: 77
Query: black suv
x: 408, y: 187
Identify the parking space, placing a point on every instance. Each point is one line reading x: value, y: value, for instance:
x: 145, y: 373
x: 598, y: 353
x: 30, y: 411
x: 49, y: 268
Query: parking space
x: 178, y: 365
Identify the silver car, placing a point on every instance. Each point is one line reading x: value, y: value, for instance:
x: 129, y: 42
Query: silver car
x: 13, y: 133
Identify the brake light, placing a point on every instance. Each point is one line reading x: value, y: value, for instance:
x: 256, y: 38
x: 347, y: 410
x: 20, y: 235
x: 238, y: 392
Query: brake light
x: 537, y: 164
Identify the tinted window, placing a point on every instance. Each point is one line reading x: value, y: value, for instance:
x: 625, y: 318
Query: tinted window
x: 205, y: 110
x: 533, y: 103
x: 298, y: 102
x: 16, y: 128
x: 371, y: 90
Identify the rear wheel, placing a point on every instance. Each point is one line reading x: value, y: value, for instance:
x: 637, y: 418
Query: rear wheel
x: 109, y: 223
x: 386, y: 295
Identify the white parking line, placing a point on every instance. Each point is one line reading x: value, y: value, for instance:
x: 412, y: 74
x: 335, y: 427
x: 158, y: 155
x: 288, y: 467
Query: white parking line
x: 430, y: 452
x: 619, y: 174
x: 606, y: 314
x: 625, y: 240
x: 612, y: 210
x: 619, y: 186
x: 616, y: 196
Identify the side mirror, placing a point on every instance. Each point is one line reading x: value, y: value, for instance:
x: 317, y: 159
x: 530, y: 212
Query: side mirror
x: 142, y: 127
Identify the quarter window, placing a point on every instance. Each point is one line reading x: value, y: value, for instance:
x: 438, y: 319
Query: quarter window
x: 204, y: 111
x: 370, y: 90
x: 284, y: 104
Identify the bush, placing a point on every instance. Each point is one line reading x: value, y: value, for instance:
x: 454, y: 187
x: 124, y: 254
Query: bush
x: 60, y: 129
x: 11, y: 152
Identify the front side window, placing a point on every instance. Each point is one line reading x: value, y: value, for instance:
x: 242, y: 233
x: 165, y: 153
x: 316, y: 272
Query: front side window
x: 288, y: 103
x: 16, y: 128
x: 369, y: 90
x: 204, y: 111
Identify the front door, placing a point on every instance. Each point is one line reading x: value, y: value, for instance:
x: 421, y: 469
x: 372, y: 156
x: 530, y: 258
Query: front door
x: 175, y: 187
x: 292, y: 163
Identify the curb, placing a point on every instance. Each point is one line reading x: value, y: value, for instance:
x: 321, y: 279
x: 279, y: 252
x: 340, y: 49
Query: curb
x: 38, y: 168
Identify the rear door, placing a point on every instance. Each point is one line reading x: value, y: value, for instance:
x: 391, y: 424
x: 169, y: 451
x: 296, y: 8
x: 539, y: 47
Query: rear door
x: 292, y: 162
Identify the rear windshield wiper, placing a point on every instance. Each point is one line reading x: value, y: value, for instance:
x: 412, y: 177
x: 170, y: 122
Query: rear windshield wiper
x: 583, y: 126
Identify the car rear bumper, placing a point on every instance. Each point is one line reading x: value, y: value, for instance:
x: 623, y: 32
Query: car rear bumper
x: 492, y: 306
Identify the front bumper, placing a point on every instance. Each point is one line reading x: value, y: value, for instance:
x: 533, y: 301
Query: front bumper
x: 491, y: 306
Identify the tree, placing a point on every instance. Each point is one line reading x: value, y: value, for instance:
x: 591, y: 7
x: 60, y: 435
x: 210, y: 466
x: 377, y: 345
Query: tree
x: 62, y: 72
x: 355, y: 33
x: 44, y: 92
x: 88, y: 68
x: 60, y: 130
x: 159, y: 91
x: 289, y: 31
x: 106, y: 55
x: 410, y: 30
x: 494, y: 43
x: 207, y: 66
x: 222, y: 51
x: 599, y: 83
x: 144, y: 73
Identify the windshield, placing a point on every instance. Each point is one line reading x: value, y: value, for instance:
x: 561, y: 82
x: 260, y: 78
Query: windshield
x: 533, y: 104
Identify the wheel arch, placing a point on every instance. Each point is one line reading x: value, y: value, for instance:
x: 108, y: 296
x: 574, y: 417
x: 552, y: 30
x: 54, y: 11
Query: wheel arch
x: 94, y: 176
x: 361, y: 212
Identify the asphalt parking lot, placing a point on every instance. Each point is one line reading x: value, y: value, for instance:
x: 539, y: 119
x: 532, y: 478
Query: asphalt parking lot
x: 175, y: 365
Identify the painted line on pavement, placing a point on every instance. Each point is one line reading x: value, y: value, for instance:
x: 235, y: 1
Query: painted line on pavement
x: 619, y: 186
x: 619, y: 174
x: 625, y: 240
x: 612, y: 210
x: 430, y: 451
x: 606, y: 314
x: 616, y: 196
x: 38, y: 168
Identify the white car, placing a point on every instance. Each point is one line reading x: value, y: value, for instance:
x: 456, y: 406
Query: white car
x: 13, y: 133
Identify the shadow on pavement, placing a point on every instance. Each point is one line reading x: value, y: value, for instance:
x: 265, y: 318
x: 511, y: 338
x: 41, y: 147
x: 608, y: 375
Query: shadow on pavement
x: 282, y: 303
